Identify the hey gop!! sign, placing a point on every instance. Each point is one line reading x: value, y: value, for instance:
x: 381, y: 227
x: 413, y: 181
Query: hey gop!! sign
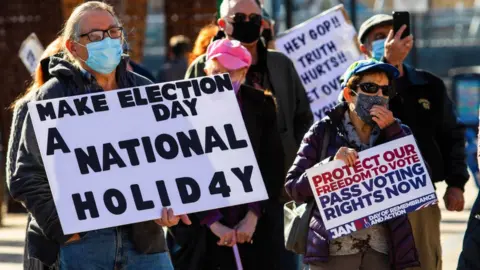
x: 321, y: 48
x: 386, y: 181
x: 118, y: 157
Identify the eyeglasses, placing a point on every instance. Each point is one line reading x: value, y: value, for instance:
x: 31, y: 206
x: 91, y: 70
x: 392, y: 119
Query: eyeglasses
x: 98, y: 35
x: 372, y: 88
x: 242, y: 17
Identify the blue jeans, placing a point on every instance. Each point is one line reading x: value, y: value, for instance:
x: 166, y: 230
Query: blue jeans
x: 109, y: 249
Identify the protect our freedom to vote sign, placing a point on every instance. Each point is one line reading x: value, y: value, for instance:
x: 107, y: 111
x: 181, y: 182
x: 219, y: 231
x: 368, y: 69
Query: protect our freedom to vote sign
x: 118, y: 157
x: 321, y: 49
x: 387, y: 181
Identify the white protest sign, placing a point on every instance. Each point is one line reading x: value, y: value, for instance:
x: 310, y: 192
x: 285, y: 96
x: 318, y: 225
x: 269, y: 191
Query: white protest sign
x: 116, y: 157
x: 30, y: 52
x: 321, y: 49
x: 387, y: 181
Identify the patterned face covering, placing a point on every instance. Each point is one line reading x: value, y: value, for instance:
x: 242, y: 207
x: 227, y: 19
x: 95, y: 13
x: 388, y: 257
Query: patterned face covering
x: 364, y: 104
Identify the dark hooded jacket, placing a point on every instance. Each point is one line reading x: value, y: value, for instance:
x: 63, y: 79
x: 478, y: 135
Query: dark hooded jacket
x: 27, y: 180
x: 422, y: 103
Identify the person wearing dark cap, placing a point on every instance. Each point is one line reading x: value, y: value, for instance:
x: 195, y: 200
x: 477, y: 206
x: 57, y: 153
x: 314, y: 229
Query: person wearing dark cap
x: 422, y: 103
x: 360, y: 122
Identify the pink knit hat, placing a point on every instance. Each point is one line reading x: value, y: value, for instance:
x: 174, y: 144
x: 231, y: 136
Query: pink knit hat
x: 230, y: 53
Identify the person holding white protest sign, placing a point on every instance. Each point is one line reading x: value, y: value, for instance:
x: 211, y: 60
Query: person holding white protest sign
x: 93, y: 62
x: 359, y: 123
x: 421, y: 102
x: 239, y: 225
x: 273, y: 71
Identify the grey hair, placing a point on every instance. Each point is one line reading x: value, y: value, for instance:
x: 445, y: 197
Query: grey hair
x: 71, y: 30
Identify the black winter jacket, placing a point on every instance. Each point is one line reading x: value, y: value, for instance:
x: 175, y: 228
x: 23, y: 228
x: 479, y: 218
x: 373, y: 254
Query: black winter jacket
x: 422, y: 103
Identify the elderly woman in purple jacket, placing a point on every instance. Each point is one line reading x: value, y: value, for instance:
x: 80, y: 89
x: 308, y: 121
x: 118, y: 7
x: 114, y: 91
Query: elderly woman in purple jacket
x: 361, y: 122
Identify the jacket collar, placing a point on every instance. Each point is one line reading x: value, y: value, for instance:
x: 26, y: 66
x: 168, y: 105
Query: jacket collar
x: 415, y: 78
x: 336, y: 114
x: 87, y: 75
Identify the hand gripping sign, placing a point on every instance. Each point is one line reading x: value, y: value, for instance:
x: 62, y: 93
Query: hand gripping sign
x: 118, y: 157
x: 321, y: 49
x: 387, y: 181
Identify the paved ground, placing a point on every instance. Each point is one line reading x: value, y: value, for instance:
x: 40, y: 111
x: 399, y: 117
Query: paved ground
x: 453, y: 227
x: 11, y: 242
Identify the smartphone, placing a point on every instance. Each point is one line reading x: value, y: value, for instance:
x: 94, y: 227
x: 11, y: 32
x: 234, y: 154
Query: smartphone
x: 401, y: 18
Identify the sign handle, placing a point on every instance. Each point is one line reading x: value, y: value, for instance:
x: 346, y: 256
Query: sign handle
x: 238, y: 260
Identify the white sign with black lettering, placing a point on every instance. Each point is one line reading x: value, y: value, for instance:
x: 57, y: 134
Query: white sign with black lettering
x: 321, y: 49
x: 118, y: 157
x: 30, y: 52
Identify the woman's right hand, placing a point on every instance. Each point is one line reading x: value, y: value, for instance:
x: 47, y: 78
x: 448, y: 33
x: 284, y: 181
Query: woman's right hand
x: 168, y: 219
x: 348, y: 155
x: 227, y: 235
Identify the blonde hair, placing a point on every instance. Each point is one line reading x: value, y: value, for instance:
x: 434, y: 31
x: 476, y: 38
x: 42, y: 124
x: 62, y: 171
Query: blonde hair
x: 71, y: 30
x: 212, y: 63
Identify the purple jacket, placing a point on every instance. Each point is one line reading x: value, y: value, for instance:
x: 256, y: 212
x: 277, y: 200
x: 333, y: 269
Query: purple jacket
x: 402, y: 251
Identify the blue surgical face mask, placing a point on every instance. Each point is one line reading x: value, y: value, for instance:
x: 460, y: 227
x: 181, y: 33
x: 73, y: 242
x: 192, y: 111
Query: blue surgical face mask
x: 104, y: 56
x: 378, y: 49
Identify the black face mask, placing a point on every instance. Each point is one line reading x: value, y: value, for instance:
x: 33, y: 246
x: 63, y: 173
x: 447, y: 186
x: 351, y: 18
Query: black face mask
x: 246, y: 32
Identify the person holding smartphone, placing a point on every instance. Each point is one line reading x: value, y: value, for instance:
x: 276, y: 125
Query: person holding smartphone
x: 421, y: 102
